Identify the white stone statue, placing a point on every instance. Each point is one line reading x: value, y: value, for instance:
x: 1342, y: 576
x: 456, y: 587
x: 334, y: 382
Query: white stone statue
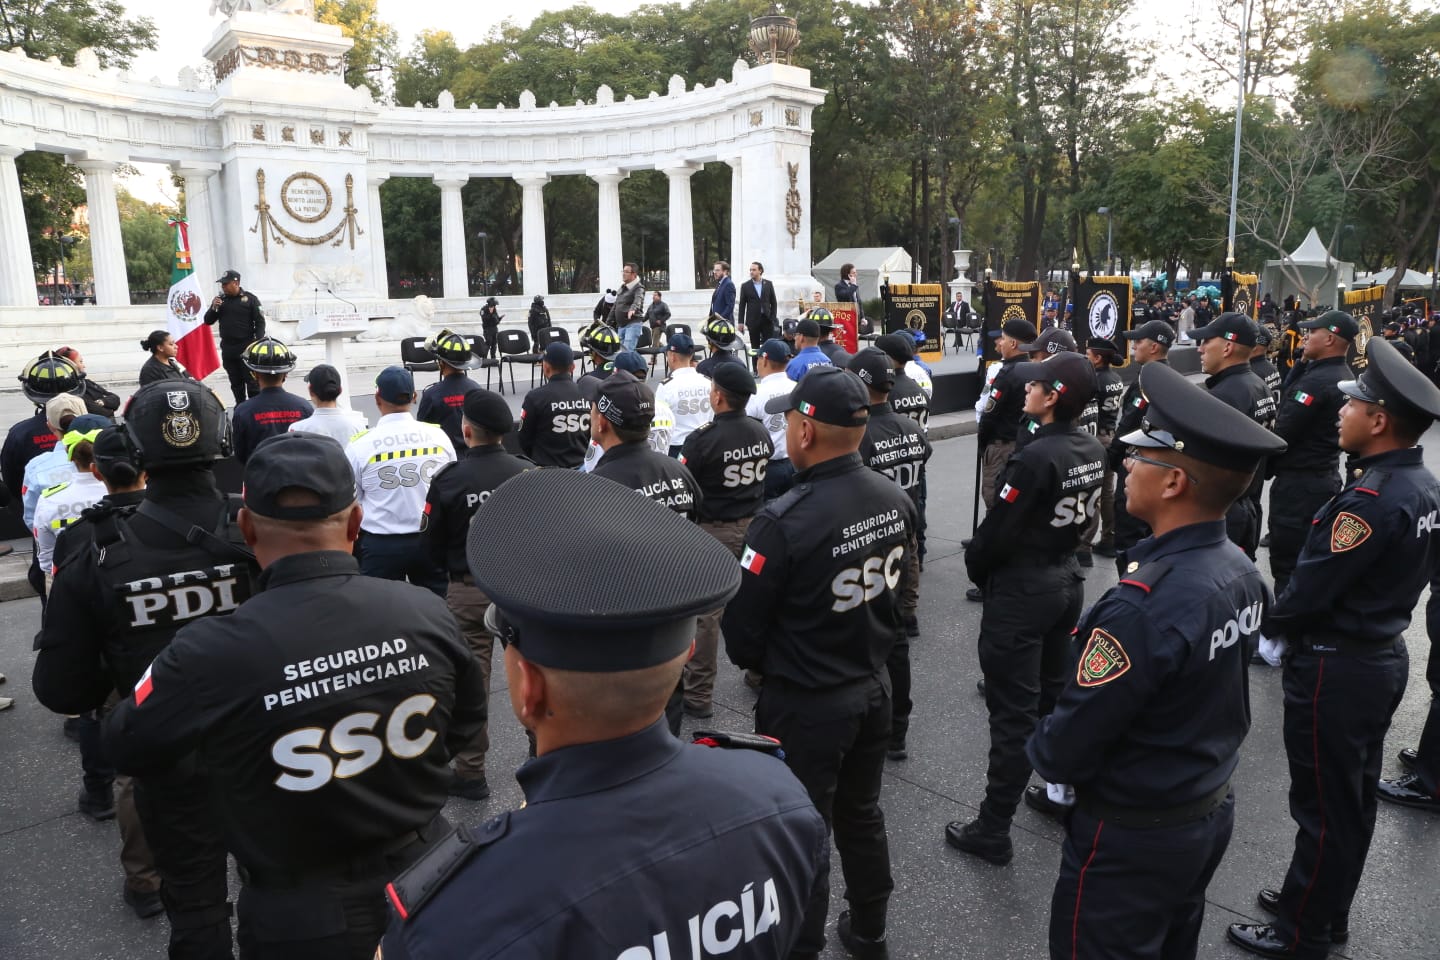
x: 301, y: 8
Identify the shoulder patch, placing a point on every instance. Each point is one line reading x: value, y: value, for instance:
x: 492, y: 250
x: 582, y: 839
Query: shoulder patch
x: 412, y: 889
x: 1102, y: 661
x: 1348, y: 532
x: 51, y: 491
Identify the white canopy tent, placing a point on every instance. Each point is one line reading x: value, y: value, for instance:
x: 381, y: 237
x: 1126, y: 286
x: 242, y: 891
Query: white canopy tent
x: 1413, y: 280
x: 1308, y: 272
x: 872, y: 266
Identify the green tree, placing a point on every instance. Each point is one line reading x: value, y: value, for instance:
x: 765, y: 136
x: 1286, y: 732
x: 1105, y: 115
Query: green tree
x: 149, y: 244
x: 372, y: 58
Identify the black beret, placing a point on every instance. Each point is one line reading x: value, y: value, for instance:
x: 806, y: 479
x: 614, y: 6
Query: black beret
x: 486, y: 408
x: 734, y: 377
x: 1188, y: 419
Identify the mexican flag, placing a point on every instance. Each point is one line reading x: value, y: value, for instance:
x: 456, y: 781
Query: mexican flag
x: 186, y: 302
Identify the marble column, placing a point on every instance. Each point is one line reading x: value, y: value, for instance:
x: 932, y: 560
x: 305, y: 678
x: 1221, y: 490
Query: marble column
x: 203, y: 258
x: 737, y: 220
x: 107, y: 247
x: 532, y: 233
x: 379, y: 273
x: 17, y: 270
x: 219, y: 241
x: 611, y: 256
x: 454, y: 270
x: 682, y: 227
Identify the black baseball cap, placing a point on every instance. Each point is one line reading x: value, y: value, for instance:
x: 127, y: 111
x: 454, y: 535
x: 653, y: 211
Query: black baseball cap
x: 1337, y: 322
x: 1232, y: 326
x: 1022, y: 330
x: 776, y: 351
x: 486, y: 408
x: 1052, y: 340
x: 1183, y: 417
x: 1157, y: 330
x: 681, y: 343
x: 874, y: 368
x: 1066, y: 371
x: 899, y: 347
x: 1392, y: 381
x: 395, y: 385
x: 559, y: 355
x: 621, y: 399
x: 734, y: 377
x: 229, y: 275
x: 310, y: 462
x: 807, y: 328
x: 662, y: 571
x: 1263, y: 337
x: 323, y: 375
x: 827, y: 394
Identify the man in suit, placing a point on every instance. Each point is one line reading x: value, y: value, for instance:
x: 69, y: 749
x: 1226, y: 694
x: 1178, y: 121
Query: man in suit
x: 757, y: 306
x: 722, y: 301
x: 627, y: 314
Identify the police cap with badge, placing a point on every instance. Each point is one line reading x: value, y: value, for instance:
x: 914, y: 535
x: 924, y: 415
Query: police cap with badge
x: 1337, y: 322
x: 1181, y: 416
x: 1051, y: 341
x: 1067, y: 373
x: 1157, y: 330
x: 827, y: 394
x: 642, y: 613
x: 1231, y: 326
x: 174, y: 423
x: 1392, y: 382
x: 621, y: 399
x: 874, y: 369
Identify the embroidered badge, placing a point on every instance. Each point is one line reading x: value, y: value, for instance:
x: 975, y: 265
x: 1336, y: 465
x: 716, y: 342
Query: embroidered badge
x: 1103, y: 660
x: 1348, y: 532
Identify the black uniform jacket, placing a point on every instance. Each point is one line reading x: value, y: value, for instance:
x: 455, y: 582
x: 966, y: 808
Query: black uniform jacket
x: 728, y: 456
x: 661, y: 478
x: 455, y: 493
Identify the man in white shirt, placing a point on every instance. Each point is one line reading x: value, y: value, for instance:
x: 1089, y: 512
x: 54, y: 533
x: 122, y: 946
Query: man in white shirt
x: 685, y: 391
x: 52, y: 466
x: 329, y: 418
x: 393, y: 464
x: 770, y: 365
x: 62, y: 504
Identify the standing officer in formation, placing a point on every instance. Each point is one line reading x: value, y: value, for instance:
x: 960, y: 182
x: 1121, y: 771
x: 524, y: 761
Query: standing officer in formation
x: 273, y: 409
x: 818, y: 614
x: 893, y: 446
x: 555, y: 418
x: 115, y: 606
x: 631, y: 844
x: 1419, y: 786
x: 1369, y: 553
x: 772, y: 382
x: 1023, y: 557
x: 455, y: 494
x: 727, y: 457
x: 1110, y: 393
x: 1149, y: 343
x: 1149, y: 728
x: 1260, y: 361
x: 1308, y: 474
x: 909, y: 398
x: 440, y: 402
x: 394, y: 463
x: 241, y: 324
x: 43, y: 380
x: 329, y: 419
x: 1000, y: 420
x: 622, y: 410
x: 685, y: 391
x: 324, y: 709
x: 1225, y: 347
x: 807, y: 350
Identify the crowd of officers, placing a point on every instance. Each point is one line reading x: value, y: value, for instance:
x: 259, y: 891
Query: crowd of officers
x: 255, y: 677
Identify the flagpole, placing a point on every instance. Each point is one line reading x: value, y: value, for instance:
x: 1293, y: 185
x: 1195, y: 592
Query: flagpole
x: 1239, y: 112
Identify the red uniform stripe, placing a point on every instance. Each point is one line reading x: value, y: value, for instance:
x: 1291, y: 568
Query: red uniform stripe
x: 1137, y: 583
x: 1080, y: 890
x: 395, y: 901
x: 1319, y: 798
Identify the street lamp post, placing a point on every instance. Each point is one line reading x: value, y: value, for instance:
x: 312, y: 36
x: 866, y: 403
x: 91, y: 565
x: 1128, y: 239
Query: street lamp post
x: 1109, y: 216
x: 482, y: 236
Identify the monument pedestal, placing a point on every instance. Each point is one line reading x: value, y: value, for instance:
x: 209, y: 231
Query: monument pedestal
x: 962, y: 286
x: 334, y: 329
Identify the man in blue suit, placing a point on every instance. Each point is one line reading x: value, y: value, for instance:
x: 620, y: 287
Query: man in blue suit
x: 722, y: 301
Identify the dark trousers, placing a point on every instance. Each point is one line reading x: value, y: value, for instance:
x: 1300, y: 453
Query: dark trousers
x: 779, y: 477
x: 1135, y: 894
x: 1295, y: 497
x: 1337, y: 711
x: 1427, y: 766
x: 835, y: 745
x: 96, y: 771
x: 1025, y: 654
x: 180, y: 823
x: 242, y: 382
x: 1241, y: 527
x: 400, y: 556
x: 35, y: 576
x: 492, y: 348
x: 760, y: 332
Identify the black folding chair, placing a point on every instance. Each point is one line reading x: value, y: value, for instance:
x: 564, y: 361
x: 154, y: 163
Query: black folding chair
x: 515, y: 348
x: 415, y: 357
x: 671, y: 330
x: 479, y: 347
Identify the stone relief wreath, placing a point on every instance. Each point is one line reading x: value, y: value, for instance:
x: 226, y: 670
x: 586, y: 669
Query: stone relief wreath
x: 302, y: 202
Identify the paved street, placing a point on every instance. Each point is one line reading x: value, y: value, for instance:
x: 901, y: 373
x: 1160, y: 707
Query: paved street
x: 60, y: 879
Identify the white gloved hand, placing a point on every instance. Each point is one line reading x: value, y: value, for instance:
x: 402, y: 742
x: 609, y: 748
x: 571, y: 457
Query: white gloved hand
x: 1061, y: 793
x: 1272, y: 650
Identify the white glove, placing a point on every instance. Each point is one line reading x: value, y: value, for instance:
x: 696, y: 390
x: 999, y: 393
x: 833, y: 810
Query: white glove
x: 1061, y: 793
x: 1272, y: 650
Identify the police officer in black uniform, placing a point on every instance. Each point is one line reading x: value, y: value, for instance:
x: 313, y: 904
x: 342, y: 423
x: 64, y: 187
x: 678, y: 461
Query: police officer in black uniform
x: 818, y: 614
x: 1225, y: 347
x: 1149, y: 343
x: 324, y: 709
x: 241, y: 324
x: 490, y: 317
x: 621, y: 411
x: 555, y: 418
x: 1110, y: 394
x: 627, y: 834
x: 1148, y: 728
x: 1260, y: 361
x: 271, y: 411
x: 1023, y: 556
x: 113, y: 608
x: 728, y: 456
x: 1419, y: 785
x: 440, y: 402
x: 907, y: 398
x: 1370, y: 552
x: 1307, y: 475
x: 455, y: 494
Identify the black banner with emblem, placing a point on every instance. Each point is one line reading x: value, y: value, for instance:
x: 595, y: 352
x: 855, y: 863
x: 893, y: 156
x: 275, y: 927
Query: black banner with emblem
x: 1008, y: 301
x: 1103, y: 308
x: 1238, y: 292
x: 915, y: 306
x: 1365, y: 306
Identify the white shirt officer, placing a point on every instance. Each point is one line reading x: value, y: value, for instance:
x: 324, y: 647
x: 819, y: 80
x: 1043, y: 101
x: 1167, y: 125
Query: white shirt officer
x: 685, y: 391
x: 394, y: 461
x: 774, y: 382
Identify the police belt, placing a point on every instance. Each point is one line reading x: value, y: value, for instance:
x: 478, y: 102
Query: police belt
x: 1322, y: 642
x: 1151, y: 818
x: 375, y: 862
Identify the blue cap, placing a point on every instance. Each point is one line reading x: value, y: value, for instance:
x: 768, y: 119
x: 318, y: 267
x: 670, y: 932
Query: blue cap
x: 629, y: 361
x: 395, y: 385
x: 681, y: 343
x: 559, y: 355
x: 776, y: 351
x: 89, y: 421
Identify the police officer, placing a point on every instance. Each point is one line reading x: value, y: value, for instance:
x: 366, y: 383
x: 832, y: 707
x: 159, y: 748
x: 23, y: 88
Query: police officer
x: 1148, y: 728
x: 1419, y: 785
x: 603, y: 344
x: 621, y: 411
x: 47, y: 377
x: 836, y: 351
x: 177, y: 559
x: 241, y: 323
x: 555, y: 418
x: 1260, y: 361
x: 907, y: 397
x: 455, y: 494
x: 1023, y: 557
x: 818, y: 613
x: 1307, y: 475
x: 490, y: 317
x: 893, y: 446
x: 440, y: 402
x: 1225, y: 347
x: 1001, y: 418
x: 1053, y: 340
x: 611, y: 798
x: 394, y: 463
x: 324, y: 709
x: 724, y: 342
x: 807, y: 350
x: 1370, y: 552
x: 772, y: 382
x: 685, y: 391
x: 273, y: 409
x: 1110, y: 394
x: 1149, y: 343
x: 728, y: 458
x: 47, y: 469
x: 62, y: 503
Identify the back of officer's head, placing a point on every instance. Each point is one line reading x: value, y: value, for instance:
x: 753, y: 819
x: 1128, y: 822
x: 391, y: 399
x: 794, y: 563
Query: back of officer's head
x: 299, y: 497
x: 176, y: 426
x: 485, y: 418
x: 114, y: 462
